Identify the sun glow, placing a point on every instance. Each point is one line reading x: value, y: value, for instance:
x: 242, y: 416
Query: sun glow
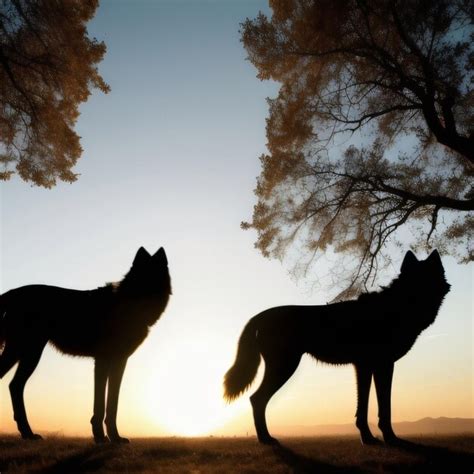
x: 192, y: 403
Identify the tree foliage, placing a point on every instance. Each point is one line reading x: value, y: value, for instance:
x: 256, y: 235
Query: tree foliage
x: 371, y: 137
x: 48, y: 65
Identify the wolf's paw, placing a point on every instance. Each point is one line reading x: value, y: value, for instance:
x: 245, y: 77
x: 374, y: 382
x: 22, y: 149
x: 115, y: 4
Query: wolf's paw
x: 119, y: 440
x: 370, y: 440
x: 393, y: 440
x: 32, y: 436
x: 101, y: 439
x: 269, y: 440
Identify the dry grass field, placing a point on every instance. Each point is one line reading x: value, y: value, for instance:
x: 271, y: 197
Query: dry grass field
x: 443, y: 454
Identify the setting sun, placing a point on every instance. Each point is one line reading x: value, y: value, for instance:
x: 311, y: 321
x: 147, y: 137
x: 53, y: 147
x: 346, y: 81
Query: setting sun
x: 189, y: 402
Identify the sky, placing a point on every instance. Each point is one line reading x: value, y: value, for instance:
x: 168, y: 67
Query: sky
x: 171, y: 159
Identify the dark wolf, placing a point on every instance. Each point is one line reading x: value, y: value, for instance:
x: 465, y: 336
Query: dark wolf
x: 107, y: 323
x: 371, y: 333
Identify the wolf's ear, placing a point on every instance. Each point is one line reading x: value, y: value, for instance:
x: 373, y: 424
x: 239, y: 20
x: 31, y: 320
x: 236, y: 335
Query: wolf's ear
x: 160, y: 256
x: 408, y: 262
x: 141, y: 257
x: 434, y: 258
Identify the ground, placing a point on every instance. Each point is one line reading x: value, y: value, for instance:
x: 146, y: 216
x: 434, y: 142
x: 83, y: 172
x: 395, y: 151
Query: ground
x: 443, y: 454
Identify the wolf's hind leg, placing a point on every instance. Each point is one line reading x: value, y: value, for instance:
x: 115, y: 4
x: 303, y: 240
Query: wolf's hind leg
x: 364, y: 380
x: 100, y: 381
x: 277, y: 371
x: 116, y: 370
x: 383, y: 384
x: 26, y: 367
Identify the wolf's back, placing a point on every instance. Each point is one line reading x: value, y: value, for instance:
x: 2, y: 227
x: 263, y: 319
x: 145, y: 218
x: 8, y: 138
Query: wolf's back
x: 239, y: 377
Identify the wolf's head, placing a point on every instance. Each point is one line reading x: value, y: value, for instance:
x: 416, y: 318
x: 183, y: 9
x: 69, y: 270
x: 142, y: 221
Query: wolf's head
x: 424, y: 277
x: 149, y: 274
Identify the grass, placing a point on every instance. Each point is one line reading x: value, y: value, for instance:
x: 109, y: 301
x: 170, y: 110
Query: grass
x: 443, y: 454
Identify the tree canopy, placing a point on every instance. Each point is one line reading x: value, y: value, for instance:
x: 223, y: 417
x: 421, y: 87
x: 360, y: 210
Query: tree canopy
x: 48, y: 66
x: 371, y: 136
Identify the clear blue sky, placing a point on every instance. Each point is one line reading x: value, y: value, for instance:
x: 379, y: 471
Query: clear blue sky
x: 171, y: 158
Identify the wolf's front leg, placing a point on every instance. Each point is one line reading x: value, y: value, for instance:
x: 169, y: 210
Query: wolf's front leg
x: 383, y: 375
x: 116, y: 370
x: 364, y: 380
x: 101, y: 370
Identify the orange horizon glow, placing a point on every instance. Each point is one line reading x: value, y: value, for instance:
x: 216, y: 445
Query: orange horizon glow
x: 170, y: 158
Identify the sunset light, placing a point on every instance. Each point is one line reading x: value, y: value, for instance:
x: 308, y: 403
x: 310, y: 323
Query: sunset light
x: 192, y: 403
x: 236, y: 236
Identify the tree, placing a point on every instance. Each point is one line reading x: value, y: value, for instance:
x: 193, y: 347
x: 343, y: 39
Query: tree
x: 372, y: 131
x: 47, y: 69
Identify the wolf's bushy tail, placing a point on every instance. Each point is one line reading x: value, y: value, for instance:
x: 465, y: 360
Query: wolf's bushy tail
x: 239, y: 377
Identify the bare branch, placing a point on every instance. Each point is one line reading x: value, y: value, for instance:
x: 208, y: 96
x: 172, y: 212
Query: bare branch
x: 371, y: 130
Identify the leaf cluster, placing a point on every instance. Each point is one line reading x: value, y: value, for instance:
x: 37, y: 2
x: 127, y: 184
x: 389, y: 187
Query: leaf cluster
x: 48, y: 66
x: 372, y: 129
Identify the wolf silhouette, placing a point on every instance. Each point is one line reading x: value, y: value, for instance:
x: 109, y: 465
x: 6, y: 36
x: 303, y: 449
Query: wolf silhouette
x: 107, y: 323
x: 371, y: 333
